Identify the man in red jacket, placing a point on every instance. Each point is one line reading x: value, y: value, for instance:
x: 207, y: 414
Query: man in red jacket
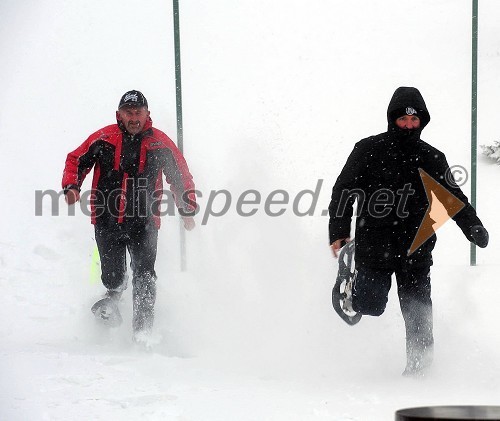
x: 129, y: 159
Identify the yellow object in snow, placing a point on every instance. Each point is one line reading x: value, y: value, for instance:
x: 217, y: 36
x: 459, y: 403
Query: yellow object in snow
x: 95, y: 267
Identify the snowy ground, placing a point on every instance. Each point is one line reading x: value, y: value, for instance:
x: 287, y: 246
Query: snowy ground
x: 275, y: 95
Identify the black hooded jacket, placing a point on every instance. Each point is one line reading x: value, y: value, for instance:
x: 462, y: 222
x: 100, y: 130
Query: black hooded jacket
x: 383, y: 173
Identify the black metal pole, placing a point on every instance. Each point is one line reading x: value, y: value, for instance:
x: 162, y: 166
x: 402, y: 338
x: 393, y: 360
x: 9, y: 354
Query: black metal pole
x: 178, y: 100
x: 473, y: 165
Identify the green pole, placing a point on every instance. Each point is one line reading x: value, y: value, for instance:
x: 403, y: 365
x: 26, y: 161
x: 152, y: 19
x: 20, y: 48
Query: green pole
x: 473, y: 154
x: 178, y: 100
x: 178, y: 85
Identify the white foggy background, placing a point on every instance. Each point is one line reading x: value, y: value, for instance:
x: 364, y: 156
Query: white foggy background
x: 275, y: 95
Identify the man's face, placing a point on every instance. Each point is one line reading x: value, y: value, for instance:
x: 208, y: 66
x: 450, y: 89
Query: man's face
x: 408, y: 122
x: 134, y: 118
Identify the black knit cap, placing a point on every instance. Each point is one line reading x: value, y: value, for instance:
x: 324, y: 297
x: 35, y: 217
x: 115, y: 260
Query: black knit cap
x: 407, y: 101
x: 133, y: 99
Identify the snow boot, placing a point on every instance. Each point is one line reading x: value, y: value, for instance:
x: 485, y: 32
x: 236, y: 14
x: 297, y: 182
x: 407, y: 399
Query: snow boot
x: 106, y: 309
x: 144, y: 297
x: 419, y: 356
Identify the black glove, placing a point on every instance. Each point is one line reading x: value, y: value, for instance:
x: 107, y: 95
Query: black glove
x: 480, y: 236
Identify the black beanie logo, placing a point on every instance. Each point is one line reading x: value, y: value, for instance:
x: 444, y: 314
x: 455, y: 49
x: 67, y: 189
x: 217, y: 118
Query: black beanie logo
x: 410, y: 111
x: 130, y: 97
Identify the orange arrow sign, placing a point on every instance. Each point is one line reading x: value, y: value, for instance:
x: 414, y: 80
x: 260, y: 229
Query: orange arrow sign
x: 443, y: 205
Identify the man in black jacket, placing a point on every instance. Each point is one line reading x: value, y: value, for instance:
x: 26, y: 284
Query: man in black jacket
x: 385, y: 175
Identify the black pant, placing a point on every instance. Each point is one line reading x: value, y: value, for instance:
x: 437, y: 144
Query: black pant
x: 140, y: 239
x: 114, y: 240
x: 370, y: 293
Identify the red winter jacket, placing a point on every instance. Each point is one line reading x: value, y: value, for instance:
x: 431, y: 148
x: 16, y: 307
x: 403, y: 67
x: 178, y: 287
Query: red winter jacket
x: 127, y: 183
